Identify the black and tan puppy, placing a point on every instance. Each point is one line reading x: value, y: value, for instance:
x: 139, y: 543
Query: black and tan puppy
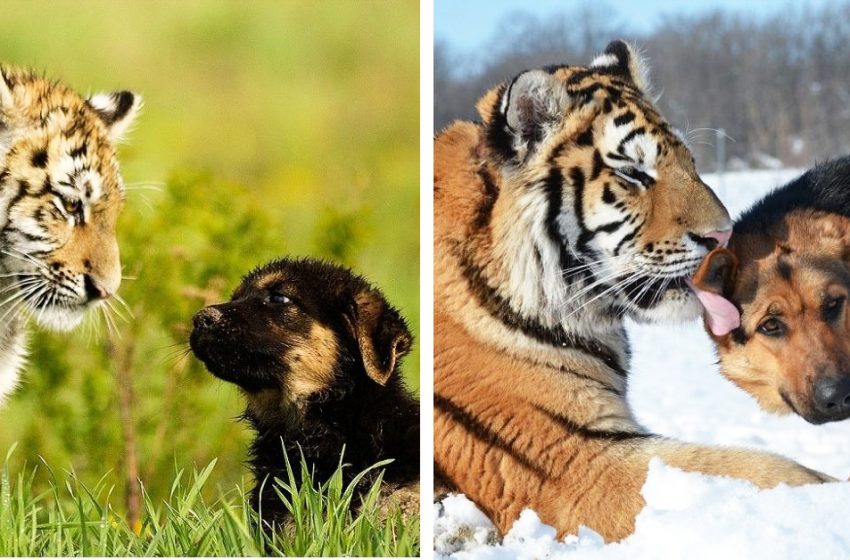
x: 316, y: 350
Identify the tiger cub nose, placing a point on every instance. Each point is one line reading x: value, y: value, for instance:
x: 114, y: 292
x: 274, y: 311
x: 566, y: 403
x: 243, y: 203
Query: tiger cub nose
x: 94, y: 290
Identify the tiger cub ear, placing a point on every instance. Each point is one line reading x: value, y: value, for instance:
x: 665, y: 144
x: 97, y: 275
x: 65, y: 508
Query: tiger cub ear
x: 623, y: 60
x: 533, y: 105
x: 6, y: 103
x: 117, y: 110
x: 5, y: 92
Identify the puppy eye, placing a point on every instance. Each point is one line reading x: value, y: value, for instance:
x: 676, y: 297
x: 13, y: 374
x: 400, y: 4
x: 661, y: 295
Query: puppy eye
x: 832, y: 308
x: 278, y: 298
x: 772, y: 327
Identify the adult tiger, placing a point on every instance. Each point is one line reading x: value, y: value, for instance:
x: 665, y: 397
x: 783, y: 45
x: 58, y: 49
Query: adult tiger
x: 60, y: 196
x: 572, y: 205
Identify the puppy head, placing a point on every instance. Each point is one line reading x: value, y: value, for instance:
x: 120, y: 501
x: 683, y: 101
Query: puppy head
x: 294, y: 328
x: 790, y: 285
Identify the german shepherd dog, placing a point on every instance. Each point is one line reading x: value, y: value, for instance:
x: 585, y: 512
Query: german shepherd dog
x: 316, y: 351
x: 776, y: 298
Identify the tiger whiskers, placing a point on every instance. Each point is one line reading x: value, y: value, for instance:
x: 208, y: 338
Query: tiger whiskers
x: 25, y: 257
x: 631, y: 277
x: 139, y: 189
x: 598, y: 283
x: 125, y: 305
x: 111, y: 327
x: 18, y: 302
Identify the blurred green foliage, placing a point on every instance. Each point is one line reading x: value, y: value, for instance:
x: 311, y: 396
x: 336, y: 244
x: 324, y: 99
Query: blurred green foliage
x: 269, y: 128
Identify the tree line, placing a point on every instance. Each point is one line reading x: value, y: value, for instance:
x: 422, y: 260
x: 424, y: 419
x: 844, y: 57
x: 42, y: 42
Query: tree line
x: 779, y: 86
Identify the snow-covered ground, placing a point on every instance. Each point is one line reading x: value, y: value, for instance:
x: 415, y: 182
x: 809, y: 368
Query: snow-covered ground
x: 676, y: 390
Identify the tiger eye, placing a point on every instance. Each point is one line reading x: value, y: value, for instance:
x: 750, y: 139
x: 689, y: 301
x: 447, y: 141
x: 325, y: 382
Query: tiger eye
x: 72, y: 206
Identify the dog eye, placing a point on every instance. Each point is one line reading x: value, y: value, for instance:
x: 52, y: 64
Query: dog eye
x: 832, y: 308
x: 772, y: 327
x: 278, y: 298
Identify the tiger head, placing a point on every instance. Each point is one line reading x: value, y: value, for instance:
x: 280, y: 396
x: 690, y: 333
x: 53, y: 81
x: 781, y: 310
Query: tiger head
x: 60, y: 197
x: 609, y: 189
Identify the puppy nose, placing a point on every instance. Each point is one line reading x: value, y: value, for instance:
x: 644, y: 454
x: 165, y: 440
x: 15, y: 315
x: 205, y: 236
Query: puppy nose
x: 832, y: 396
x: 94, y: 289
x: 206, y: 317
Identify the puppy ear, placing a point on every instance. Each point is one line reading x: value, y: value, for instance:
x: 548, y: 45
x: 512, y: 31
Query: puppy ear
x: 533, y: 105
x: 623, y: 60
x: 717, y: 272
x: 118, y: 110
x: 381, y: 334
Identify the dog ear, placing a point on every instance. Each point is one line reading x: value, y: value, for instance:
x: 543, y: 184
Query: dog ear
x: 717, y: 272
x: 714, y: 284
x: 381, y: 334
x: 830, y: 233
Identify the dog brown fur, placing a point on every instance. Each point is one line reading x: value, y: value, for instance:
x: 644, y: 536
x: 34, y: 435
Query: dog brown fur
x: 787, y: 275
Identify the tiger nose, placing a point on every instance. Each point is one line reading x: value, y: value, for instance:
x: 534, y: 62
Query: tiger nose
x: 94, y: 289
x: 713, y: 239
x: 721, y: 236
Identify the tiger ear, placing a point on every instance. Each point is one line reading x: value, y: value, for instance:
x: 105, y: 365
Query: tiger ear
x: 623, y: 60
x: 6, y: 103
x: 6, y: 99
x: 533, y: 104
x: 381, y: 334
x: 117, y: 110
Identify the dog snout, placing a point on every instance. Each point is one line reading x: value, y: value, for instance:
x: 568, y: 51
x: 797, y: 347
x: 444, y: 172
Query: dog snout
x: 206, y: 318
x: 831, y: 396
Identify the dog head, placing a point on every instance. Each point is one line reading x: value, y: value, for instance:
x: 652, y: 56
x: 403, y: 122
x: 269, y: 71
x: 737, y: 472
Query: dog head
x: 790, y: 283
x: 296, y: 328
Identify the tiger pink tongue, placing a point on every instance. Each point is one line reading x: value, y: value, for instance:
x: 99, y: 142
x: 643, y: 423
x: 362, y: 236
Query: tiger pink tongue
x: 722, y: 315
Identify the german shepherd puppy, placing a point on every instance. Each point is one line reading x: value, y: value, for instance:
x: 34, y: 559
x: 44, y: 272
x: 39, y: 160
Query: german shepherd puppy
x: 776, y: 298
x: 316, y: 351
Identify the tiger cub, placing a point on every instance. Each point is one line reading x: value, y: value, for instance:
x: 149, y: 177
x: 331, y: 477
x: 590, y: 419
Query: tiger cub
x: 60, y: 196
x: 570, y: 207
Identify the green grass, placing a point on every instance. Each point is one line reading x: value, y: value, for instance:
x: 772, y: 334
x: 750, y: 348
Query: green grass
x: 269, y: 128
x: 71, y: 518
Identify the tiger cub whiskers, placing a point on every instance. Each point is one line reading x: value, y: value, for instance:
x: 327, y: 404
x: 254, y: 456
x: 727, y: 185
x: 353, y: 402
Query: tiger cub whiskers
x: 60, y: 197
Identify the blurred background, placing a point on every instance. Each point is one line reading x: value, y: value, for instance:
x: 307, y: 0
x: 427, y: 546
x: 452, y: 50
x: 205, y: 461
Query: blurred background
x: 756, y: 84
x: 269, y: 128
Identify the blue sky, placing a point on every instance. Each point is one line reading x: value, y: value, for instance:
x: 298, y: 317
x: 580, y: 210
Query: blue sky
x: 468, y: 24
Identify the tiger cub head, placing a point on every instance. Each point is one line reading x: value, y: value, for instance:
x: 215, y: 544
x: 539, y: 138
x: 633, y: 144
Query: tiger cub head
x: 60, y: 196
x: 623, y: 203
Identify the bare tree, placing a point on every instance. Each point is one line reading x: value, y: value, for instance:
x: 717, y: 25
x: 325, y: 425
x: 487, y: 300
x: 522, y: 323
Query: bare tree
x: 779, y: 86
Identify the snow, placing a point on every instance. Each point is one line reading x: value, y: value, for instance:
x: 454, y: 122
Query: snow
x: 676, y: 390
